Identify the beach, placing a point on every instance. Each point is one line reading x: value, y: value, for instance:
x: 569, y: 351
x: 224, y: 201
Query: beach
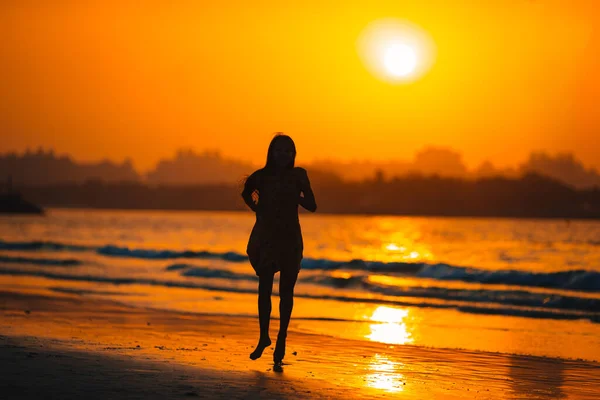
x: 70, y: 347
x: 141, y: 304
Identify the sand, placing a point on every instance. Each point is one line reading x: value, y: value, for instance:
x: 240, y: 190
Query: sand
x: 70, y: 347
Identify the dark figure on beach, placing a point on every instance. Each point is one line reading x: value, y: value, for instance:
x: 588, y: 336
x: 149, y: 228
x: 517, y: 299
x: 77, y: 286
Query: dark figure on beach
x: 275, y: 245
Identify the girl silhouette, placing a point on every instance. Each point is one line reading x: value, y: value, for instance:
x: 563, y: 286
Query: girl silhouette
x: 275, y: 244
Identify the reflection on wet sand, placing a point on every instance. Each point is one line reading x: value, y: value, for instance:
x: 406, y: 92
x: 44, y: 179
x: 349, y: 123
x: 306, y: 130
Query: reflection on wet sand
x: 389, y: 328
x: 537, y: 377
x: 384, y: 375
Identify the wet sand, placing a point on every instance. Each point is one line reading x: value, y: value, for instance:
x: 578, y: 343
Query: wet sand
x: 68, y: 346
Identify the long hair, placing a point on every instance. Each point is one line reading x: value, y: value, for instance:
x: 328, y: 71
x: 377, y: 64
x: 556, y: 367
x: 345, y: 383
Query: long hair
x: 270, y: 164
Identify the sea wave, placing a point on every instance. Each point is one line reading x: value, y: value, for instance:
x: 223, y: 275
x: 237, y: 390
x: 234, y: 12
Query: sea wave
x: 202, y: 272
x: 581, y: 280
x: 55, y: 262
x: 206, y: 285
x: 576, y: 280
x: 116, y: 251
x: 521, y: 298
x: 39, y: 245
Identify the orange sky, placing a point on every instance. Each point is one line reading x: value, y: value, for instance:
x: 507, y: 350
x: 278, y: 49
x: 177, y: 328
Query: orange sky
x: 114, y: 79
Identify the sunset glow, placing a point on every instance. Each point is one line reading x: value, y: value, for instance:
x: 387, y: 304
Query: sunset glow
x: 309, y: 199
x: 400, y: 60
x: 379, y: 81
x: 396, y: 51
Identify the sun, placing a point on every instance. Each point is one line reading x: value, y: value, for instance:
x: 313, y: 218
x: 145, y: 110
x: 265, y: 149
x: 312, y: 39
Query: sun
x: 400, y: 60
x: 396, y: 51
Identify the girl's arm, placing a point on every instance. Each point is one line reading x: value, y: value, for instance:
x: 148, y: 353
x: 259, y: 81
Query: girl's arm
x: 250, y: 187
x: 307, y: 197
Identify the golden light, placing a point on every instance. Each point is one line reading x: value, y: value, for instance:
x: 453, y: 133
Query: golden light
x: 400, y: 60
x: 388, y: 314
x: 384, y: 376
x: 396, y: 51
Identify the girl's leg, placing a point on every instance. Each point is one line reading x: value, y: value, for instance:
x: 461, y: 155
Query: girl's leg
x: 287, y: 282
x: 265, y: 288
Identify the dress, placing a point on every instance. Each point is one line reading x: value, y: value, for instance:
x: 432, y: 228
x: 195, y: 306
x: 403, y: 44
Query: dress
x: 275, y: 243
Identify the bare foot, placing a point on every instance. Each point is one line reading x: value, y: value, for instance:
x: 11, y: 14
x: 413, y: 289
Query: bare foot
x: 260, y: 347
x: 279, y: 352
x: 278, y: 366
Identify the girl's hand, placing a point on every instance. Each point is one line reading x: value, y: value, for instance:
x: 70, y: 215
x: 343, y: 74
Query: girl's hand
x: 250, y: 194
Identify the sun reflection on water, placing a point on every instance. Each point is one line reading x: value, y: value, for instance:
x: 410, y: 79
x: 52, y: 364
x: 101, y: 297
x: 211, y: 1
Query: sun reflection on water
x: 406, y: 251
x: 390, y: 327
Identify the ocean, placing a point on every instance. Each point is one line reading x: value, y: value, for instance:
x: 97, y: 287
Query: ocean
x: 513, y: 286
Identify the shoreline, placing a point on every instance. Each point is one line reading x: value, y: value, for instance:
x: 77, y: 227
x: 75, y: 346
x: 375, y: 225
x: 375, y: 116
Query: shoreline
x: 249, y: 318
x: 204, y: 351
x: 367, y: 320
x: 364, y: 214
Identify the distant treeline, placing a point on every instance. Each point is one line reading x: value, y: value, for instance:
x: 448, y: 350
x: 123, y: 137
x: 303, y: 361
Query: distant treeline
x: 532, y: 196
x: 187, y: 167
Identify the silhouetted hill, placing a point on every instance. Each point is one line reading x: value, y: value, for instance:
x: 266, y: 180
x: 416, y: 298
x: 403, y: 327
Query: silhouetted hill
x: 445, y: 162
x: 530, y: 196
x: 429, y: 161
x: 187, y: 167
x: 190, y: 168
x: 564, y: 167
x: 46, y: 168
